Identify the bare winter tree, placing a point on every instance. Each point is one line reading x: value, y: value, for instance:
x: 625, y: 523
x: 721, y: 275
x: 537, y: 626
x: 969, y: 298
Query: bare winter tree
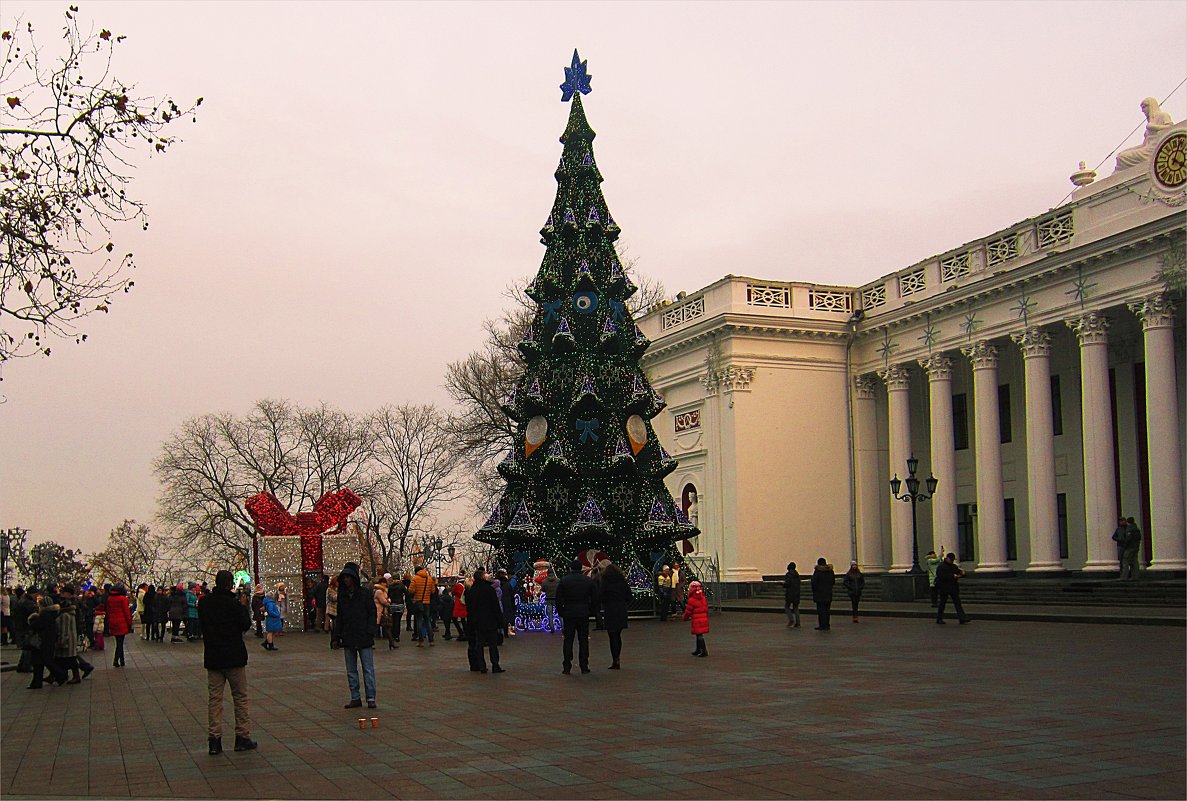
x: 481, y: 432
x: 70, y: 134
x: 134, y: 554
x: 397, y: 460
x: 417, y: 471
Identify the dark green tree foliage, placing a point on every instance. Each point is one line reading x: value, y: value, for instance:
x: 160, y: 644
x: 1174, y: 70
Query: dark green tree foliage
x: 587, y: 471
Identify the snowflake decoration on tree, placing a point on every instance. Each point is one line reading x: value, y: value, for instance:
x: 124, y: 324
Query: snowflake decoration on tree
x: 622, y: 497
x: 557, y: 497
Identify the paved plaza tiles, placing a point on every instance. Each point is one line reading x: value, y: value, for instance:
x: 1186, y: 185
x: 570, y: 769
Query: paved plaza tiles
x: 888, y: 708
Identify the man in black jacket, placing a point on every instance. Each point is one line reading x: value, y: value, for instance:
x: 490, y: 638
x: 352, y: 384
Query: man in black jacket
x: 23, y: 605
x: 575, y: 596
x: 354, y: 631
x: 484, y: 619
x: 224, y: 620
x: 823, y: 579
x: 947, y: 585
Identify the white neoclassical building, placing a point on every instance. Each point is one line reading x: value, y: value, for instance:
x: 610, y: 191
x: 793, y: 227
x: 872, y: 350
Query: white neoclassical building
x: 1037, y: 373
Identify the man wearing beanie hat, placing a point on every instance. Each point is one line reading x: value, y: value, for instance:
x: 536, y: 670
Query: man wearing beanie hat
x: 575, y: 596
x: 224, y: 620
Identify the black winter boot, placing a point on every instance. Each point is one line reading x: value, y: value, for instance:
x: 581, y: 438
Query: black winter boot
x: 245, y: 743
x: 216, y: 745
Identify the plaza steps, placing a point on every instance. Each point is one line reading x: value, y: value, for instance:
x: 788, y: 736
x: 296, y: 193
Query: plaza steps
x: 1068, y: 590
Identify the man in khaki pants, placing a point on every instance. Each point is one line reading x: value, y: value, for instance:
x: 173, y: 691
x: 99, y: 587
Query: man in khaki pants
x: 224, y: 620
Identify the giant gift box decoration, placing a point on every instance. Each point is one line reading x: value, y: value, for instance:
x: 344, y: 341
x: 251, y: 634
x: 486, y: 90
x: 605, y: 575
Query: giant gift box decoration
x: 291, y: 548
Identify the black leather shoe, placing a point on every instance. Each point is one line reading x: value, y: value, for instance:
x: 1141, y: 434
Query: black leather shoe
x: 497, y: 670
x: 216, y: 745
x: 243, y: 743
x: 355, y: 704
x: 567, y: 671
x: 585, y: 670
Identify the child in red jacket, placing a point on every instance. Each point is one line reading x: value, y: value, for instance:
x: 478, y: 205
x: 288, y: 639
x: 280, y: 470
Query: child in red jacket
x: 696, y: 609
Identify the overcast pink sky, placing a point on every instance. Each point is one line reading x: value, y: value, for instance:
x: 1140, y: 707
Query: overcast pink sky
x: 366, y: 178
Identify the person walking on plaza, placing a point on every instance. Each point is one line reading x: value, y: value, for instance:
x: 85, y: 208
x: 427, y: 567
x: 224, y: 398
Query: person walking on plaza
x: 397, y: 596
x: 933, y: 563
x: 273, y: 623
x: 147, y: 628
x: 948, y: 586
x: 507, y: 598
x: 616, y: 599
x: 257, y: 609
x: 383, y: 611
x: 1131, y: 546
x: 142, y: 609
x: 574, y: 598
x: 282, y: 603
x: 823, y: 579
x: 119, y: 621
x: 420, y: 592
x: 332, y: 609
x: 23, y: 605
x: 664, y: 584
x: 42, y: 643
x: 791, y: 596
x: 459, y: 613
x: 191, y: 611
x: 854, y: 583
x: 484, y: 619
x: 549, y: 585
x: 68, y: 655
x: 160, y: 613
x: 696, y: 610
x: 354, y: 631
x: 224, y: 620
x: 5, y: 616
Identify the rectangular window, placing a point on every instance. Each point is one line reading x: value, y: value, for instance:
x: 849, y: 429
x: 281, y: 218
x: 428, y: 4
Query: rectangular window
x: 960, y: 422
x: 1003, y: 413
x: 1056, y: 407
x: 1061, y: 512
x: 1011, y: 532
x: 964, y: 531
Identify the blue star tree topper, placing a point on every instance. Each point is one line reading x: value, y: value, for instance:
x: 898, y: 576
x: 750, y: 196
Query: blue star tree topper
x: 576, y: 79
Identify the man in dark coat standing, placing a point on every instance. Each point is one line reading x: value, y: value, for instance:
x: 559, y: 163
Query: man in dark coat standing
x: 354, y: 631
x: 224, y: 620
x: 484, y: 620
x: 823, y: 579
x: 947, y: 585
x: 575, y: 596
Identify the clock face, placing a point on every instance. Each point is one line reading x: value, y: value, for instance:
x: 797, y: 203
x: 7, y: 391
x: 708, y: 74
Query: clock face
x: 1170, y: 161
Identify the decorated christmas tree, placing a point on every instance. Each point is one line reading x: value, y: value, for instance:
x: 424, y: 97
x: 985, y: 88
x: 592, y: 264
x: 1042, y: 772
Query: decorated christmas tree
x: 587, y: 474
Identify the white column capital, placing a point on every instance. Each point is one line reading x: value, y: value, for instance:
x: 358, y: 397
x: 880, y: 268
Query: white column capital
x: 1155, y: 311
x: 864, y: 386
x: 1034, y: 342
x: 1091, y: 327
x: 982, y: 355
x: 896, y: 376
x: 938, y: 367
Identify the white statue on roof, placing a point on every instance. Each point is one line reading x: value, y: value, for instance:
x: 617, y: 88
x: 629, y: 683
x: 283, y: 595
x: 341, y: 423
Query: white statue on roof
x: 1157, y: 121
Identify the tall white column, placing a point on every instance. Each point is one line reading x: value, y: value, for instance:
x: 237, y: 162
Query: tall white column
x: 898, y: 382
x: 1100, y: 489
x: 1042, y: 510
x: 943, y: 452
x: 1167, y: 531
x: 871, y: 493
x: 991, y: 511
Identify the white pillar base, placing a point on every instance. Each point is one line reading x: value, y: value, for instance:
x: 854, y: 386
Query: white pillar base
x: 1002, y: 568
x: 1112, y: 566
x: 1168, y: 564
x: 1046, y: 567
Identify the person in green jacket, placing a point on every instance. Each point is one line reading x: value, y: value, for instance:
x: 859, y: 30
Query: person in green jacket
x: 933, y: 562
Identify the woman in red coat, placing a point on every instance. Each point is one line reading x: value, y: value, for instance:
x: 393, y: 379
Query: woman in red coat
x: 119, y: 620
x: 459, y: 610
x: 696, y: 609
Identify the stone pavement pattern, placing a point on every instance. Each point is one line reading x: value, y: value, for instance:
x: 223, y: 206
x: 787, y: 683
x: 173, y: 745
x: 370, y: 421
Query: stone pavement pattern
x: 887, y: 708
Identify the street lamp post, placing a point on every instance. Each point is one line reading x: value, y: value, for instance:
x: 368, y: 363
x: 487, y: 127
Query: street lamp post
x: 913, y: 496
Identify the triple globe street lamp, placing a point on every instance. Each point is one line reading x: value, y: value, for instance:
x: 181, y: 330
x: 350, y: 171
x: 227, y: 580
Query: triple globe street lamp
x: 913, y: 496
